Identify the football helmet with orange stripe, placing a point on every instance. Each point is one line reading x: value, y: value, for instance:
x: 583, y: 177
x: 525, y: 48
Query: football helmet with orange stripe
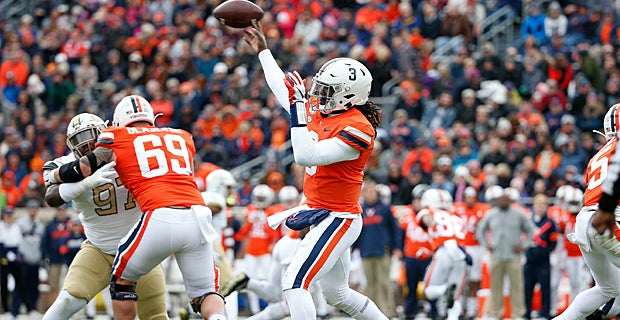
x: 611, y: 122
x: 132, y: 109
x: 82, y: 133
x: 340, y: 84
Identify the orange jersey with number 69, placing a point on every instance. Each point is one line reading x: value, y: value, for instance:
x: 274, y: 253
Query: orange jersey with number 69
x: 596, y: 172
x: 337, y: 186
x: 155, y: 165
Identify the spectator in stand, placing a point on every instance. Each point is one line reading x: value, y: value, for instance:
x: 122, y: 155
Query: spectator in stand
x: 440, y: 113
x: 578, y: 28
x: 466, y: 109
x: 556, y: 23
x: 399, y: 127
x: 10, y: 189
x: 534, y: 24
x: 561, y: 71
x: 57, y: 232
x: 378, y: 242
x: 395, y: 153
x: 14, y: 64
x: 420, y: 156
x: 407, y: 58
x: 307, y: 28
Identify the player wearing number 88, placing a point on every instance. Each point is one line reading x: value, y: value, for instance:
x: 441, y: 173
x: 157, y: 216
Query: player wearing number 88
x: 155, y: 165
x: 107, y: 212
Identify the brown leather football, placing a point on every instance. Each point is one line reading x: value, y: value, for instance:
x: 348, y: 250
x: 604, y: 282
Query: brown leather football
x: 238, y: 13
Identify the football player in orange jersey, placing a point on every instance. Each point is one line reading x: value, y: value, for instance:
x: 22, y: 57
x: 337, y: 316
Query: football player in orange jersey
x: 472, y: 211
x: 333, y: 136
x: 417, y: 251
x: 446, y: 274
x: 258, y: 239
x: 155, y: 165
x: 558, y: 256
x: 596, y: 232
x: 579, y: 275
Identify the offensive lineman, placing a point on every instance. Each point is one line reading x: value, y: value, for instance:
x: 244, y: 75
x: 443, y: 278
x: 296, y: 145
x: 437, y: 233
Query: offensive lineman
x: 107, y: 212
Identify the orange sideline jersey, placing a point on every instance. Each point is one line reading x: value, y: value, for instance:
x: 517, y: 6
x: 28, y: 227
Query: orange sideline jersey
x: 257, y: 231
x: 337, y: 186
x: 471, y: 217
x: 596, y: 172
x: 418, y: 243
x: 566, y: 226
x: 154, y: 164
x: 556, y: 213
x: 447, y: 226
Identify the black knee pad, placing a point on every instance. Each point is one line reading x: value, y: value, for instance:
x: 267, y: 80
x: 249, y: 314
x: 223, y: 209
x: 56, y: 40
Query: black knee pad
x: 197, y: 302
x: 122, y: 291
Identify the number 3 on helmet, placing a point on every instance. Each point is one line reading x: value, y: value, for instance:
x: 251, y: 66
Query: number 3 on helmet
x: 133, y: 109
x: 611, y: 122
x: 340, y: 84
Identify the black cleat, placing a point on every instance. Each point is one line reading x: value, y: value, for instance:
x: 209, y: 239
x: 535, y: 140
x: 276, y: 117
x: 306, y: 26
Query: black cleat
x: 239, y: 282
x: 450, y: 295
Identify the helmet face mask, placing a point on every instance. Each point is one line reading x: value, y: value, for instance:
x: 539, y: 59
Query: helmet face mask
x: 82, y: 133
x: 340, y: 84
x: 132, y: 109
x: 611, y: 121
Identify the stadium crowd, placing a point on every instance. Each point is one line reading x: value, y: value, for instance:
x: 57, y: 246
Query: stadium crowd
x: 520, y: 118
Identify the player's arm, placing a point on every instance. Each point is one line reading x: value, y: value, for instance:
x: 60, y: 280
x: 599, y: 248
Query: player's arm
x: 255, y: 38
x: 81, y: 168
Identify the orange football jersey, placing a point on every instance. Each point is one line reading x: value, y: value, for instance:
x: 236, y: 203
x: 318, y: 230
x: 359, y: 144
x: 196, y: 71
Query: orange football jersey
x: 596, y: 172
x: 337, y: 186
x: 154, y: 164
x: 260, y: 237
x: 418, y: 243
x: 447, y: 226
x: 566, y: 226
x: 471, y: 217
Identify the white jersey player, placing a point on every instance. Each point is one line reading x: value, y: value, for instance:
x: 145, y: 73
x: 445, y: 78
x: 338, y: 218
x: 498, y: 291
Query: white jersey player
x: 107, y: 212
x: 446, y: 274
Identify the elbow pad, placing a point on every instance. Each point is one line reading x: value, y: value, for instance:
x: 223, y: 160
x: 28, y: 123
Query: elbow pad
x: 71, y: 172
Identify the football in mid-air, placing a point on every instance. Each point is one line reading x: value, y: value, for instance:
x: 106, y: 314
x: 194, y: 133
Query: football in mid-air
x: 238, y: 13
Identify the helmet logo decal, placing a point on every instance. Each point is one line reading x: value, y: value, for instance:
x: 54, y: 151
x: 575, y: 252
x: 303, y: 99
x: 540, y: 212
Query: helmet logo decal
x: 136, y: 104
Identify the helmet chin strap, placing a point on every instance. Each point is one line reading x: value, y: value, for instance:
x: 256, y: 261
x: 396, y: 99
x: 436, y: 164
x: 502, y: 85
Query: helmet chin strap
x: 155, y: 117
x: 596, y: 131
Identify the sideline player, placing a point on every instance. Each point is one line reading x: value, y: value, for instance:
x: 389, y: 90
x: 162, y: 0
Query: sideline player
x: 332, y: 136
x: 107, y: 212
x: 446, y: 274
x: 595, y: 228
x: 472, y: 211
x: 155, y: 165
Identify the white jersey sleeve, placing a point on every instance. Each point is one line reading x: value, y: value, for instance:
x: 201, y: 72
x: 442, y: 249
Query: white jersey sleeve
x: 107, y: 213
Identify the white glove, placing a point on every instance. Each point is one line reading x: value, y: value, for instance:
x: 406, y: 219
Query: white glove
x: 297, y: 98
x: 69, y: 191
x: 102, y: 176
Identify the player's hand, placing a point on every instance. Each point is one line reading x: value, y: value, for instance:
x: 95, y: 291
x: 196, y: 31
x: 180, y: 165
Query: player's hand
x: 603, y: 221
x: 255, y: 37
x: 296, y: 87
x: 102, y: 176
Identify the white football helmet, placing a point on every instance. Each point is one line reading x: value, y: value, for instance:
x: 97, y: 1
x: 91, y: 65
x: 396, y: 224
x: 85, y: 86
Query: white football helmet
x: 385, y: 193
x: 560, y: 194
x: 419, y: 190
x: 513, y: 194
x: 436, y: 199
x: 221, y: 181
x: 82, y: 133
x: 611, y: 121
x: 340, y: 84
x: 573, y: 200
x: 493, y: 193
x: 132, y: 109
x: 288, y: 196
x: 262, y: 196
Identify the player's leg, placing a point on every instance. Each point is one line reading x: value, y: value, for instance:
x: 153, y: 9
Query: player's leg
x: 456, y: 277
x: 474, y: 275
x: 223, y: 262
x: 436, y: 277
x: 270, y: 289
x: 196, y: 261
x: 544, y: 279
x: 529, y: 278
x: 274, y: 311
x: 88, y: 274
x: 151, y: 290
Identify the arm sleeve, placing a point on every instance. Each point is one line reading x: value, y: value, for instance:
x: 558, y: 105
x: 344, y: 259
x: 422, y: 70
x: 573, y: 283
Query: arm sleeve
x: 309, y: 152
x: 481, y: 230
x: 274, y: 77
x: 611, y: 186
